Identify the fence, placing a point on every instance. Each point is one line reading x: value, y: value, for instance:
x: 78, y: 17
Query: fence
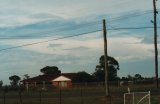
x: 55, y: 96
x: 80, y: 95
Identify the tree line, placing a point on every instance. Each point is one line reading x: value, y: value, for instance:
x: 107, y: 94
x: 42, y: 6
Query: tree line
x: 83, y: 77
x: 97, y: 76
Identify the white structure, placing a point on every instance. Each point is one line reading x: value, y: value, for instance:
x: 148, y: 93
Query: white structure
x: 62, y: 81
x: 137, y: 97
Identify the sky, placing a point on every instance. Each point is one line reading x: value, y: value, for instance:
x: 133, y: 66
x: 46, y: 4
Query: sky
x: 47, y: 21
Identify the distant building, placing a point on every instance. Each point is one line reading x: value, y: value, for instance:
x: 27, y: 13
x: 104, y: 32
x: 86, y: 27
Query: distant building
x: 49, y: 80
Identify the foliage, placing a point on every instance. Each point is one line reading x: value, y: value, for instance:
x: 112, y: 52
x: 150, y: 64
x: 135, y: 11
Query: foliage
x: 138, y: 77
x: 8, y: 88
x: 130, y: 78
x: 82, y: 77
x: 5, y: 88
x: 124, y: 79
x: 113, y: 66
x: 99, y: 74
x: 1, y: 84
x: 14, y: 80
x: 26, y: 76
x: 50, y: 70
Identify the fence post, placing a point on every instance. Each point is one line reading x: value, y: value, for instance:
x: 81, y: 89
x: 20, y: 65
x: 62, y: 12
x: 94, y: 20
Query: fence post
x: 60, y: 96
x: 4, y: 98
x: 149, y: 97
x: 20, y: 97
x: 40, y: 97
x: 81, y: 96
x: 124, y: 99
x: 133, y: 97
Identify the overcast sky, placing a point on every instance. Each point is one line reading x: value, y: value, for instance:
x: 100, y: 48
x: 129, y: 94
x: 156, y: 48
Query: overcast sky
x: 30, y: 21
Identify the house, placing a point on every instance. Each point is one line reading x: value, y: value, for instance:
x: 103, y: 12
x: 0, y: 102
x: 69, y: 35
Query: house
x: 62, y: 82
x: 47, y: 80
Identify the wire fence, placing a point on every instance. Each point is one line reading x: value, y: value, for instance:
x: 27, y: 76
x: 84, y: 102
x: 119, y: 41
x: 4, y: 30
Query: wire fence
x: 77, y: 94
x: 54, y: 96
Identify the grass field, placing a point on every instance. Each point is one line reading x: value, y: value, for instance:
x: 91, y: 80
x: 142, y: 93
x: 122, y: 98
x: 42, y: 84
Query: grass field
x: 77, y: 95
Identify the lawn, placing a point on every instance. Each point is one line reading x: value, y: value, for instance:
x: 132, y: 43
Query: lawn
x: 78, y: 95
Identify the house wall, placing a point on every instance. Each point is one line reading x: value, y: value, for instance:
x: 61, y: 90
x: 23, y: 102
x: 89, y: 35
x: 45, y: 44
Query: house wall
x: 69, y: 83
x: 55, y: 84
x: 62, y: 84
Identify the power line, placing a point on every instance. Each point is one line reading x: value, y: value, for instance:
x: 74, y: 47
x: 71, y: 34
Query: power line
x: 130, y: 15
x: 24, y: 45
x: 62, y: 29
x: 112, y: 28
x: 123, y: 28
x: 130, y: 28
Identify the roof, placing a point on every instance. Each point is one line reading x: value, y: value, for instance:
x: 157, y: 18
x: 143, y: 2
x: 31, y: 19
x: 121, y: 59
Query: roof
x: 48, y: 77
x: 69, y: 75
x: 61, y: 78
x: 40, y: 78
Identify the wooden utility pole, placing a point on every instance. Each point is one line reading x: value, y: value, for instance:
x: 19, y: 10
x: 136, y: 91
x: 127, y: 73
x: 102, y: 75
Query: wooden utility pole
x: 105, y: 60
x: 155, y: 42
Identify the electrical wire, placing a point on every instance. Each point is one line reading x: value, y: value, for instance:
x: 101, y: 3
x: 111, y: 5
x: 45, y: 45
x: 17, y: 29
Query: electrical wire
x: 130, y: 28
x: 129, y: 15
x: 124, y: 28
x: 60, y: 38
x: 61, y: 28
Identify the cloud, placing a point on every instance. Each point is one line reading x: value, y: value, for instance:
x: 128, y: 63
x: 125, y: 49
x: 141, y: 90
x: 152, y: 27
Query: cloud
x: 30, y: 62
x: 27, y: 12
x: 82, y: 55
x: 81, y: 48
x: 143, y: 67
x: 55, y: 45
x: 129, y: 49
x: 44, y: 16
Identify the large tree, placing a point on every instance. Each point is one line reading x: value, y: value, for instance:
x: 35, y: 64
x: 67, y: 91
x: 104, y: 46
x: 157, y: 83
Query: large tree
x: 50, y: 70
x: 82, y: 77
x: 113, y: 66
x: 14, y: 80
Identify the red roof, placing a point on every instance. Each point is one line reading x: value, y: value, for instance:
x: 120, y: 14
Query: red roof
x: 48, y: 77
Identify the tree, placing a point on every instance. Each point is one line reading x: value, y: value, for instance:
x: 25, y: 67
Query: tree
x: 130, y: 78
x: 26, y: 76
x: 50, y: 70
x: 1, y: 84
x: 99, y: 74
x: 124, y: 79
x: 14, y: 80
x: 82, y: 77
x: 113, y: 66
x: 138, y: 77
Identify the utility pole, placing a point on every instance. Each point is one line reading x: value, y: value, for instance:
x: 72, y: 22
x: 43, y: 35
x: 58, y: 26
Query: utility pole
x: 155, y: 41
x: 107, y: 93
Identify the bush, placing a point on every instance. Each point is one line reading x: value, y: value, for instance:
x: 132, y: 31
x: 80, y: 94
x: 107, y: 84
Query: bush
x: 7, y: 88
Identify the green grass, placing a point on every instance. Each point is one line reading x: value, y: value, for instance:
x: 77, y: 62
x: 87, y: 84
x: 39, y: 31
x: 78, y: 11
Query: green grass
x: 154, y: 101
x: 85, y: 95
